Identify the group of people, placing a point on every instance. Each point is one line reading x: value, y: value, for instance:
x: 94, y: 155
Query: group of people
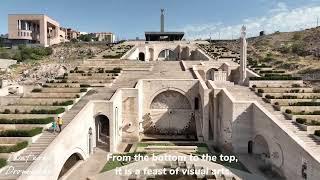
x: 54, y: 124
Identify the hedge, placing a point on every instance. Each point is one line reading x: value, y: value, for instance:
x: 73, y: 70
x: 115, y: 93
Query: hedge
x: 275, y: 78
x: 15, y: 148
x: 288, y: 111
x: 85, y: 85
x: 21, y: 133
x: 317, y: 133
x: 271, y: 71
x: 3, y: 162
x: 65, y: 103
x: 83, y: 90
x: 36, y: 90
x: 305, y: 104
x: 27, y: 121
x: 45, y: 111
x: 269, y: 96
x: 260, y: 91
x: 301, y: 121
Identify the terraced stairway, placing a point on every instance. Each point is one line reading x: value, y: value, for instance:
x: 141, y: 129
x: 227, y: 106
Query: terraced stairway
x: 244, y: 94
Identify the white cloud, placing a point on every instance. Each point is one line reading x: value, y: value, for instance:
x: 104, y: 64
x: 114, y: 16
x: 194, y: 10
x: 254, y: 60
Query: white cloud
x: 278, y: 19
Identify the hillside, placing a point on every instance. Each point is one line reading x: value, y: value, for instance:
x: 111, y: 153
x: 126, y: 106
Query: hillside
x: 295, y: 52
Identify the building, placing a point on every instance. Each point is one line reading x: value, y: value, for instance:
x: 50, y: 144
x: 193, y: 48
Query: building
x: 108, y: 37
x: 72, y: 34
x: 37, y: 29
x: 162, y: 35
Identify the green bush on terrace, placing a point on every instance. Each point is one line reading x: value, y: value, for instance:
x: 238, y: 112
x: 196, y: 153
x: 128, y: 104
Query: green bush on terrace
x: 305, y: 122
x: 27, y: 121
x: 305, y: 104
x: 275, y: 78
x: 15, y: 148
x: 65, y: 103
x: 21, y: 133
x: 317, y: 133
x: 45, y: 111
x: 271, y: 71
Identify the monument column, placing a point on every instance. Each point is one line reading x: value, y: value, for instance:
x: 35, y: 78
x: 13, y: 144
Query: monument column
x: 243, y: 56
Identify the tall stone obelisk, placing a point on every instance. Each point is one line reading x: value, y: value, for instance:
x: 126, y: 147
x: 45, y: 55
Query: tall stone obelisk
x: 162, y: 21
x: 243, y: 56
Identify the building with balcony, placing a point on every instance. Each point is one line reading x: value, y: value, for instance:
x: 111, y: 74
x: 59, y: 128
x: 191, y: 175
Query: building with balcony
x: 72, y: 34
x: 34, y: 29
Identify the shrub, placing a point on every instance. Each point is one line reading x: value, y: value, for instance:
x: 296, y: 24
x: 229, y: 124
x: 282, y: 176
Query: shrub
x: 27, y: 121
x: 276, y: 103
x: 269, y: 96
x: 254, y: 86
x: 296, y: 85
x: 288, y: 97
x: 275, y: 78
x: 288, y: 111
x: 37, y: 90
x: 317, y: 133
x: 294, y: 91
x: 316, y: 90
x: 16, y: 111
x: 305, y: 104
x: 260, y: 91
x: 77, y: 96
x: 301, y: 121
x: 44, y: 111
x: 84, y: 85
x: 15, y: 148
x: 83, y: 90
x: 65, y: 103
x: 45, y: 86
x: 314, y: 123
x: 6, y: 111
x: 71, y: 71
x: 21, y: 133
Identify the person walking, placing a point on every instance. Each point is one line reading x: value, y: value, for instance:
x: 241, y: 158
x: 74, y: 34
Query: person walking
x: 54, y: 126
x: 60, y: 122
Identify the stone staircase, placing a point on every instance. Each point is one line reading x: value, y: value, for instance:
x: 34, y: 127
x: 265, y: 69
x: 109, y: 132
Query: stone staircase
x: 34, y: 150
x: 244, y: 93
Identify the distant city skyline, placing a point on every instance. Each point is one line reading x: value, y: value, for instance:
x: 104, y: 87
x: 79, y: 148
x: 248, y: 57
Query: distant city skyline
x: 129, y: 19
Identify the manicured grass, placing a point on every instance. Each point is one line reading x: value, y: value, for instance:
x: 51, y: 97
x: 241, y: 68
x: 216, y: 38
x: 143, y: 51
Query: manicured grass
x: 15, y: 148
x: 21, y: 133
x: 114, y: 164
x: 3, y: 162
x: 27, y: 121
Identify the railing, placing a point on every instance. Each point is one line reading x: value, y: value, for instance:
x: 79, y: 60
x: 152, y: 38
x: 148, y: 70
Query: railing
x: 25, y: 34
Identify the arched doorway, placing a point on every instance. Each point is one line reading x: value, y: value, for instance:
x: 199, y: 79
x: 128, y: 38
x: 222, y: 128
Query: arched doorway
x: 260, y: 147
x: 210, y: 73
x: 250, y: 146
x: 71, y: 161
x: 142, y: 56
x: 170, y: 114
x: 102, y: 132
x: 167, y: 55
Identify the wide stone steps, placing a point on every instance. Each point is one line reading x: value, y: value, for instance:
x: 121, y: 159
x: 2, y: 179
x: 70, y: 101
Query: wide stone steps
x: 246, y: 94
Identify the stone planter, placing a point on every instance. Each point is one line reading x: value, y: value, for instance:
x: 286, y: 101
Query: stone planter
x: 309, y: 129
x: 317, y: 137
x: 288, y: 116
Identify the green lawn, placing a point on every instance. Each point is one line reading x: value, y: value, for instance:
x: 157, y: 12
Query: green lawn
x: 3, y: 162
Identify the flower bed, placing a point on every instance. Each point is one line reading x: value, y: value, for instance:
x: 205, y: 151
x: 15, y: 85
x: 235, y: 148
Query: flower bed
x: 27, y: 121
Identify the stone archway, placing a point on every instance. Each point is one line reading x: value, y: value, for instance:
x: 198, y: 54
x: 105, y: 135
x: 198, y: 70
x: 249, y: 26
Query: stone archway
x: 171, y: 113
x: 71, y: 162
x: 210, y: 73
x: 142, y: 56
x: 260, y: 146
x: 102, y: 125
x: 167, y: 55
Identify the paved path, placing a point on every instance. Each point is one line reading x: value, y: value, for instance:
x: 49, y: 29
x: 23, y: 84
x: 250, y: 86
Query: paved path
x: 91, y: 166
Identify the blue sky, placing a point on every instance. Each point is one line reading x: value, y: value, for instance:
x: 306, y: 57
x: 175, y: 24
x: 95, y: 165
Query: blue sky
x: 197, y: 18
